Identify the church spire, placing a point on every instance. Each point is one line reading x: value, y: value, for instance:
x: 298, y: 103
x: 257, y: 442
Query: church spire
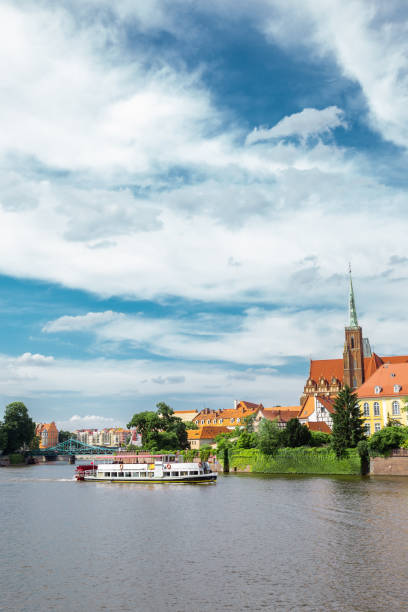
x: 352, y: 304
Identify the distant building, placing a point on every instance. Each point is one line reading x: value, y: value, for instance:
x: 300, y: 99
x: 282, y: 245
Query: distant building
x: 205, y: 435
x: 317, y: 409
x: 328, y: 376
x: 47, y: 433
x: 186, y: 415
x: 114, y: 436
x: 229, y: 417
x: 383, y: 396
x: 280, y: 414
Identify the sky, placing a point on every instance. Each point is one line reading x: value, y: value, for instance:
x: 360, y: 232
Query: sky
x: 182, y: 187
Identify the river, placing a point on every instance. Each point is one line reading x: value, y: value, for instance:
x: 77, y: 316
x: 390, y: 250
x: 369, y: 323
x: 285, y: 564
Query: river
x: 250, y: 542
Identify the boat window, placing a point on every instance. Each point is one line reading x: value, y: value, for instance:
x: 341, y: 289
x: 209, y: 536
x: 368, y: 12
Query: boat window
x: 128, y: 474
x: 150, y: 474
x: 120, y: 474
x: 183, y: 473
x: 114, y: 474
x: 166, y: 473
x: 142, y: 474
x: 194, y: 473
x: 174, y: 473
x: 107, y: 474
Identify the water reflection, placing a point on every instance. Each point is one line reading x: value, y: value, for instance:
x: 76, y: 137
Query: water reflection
x: 250, y: 542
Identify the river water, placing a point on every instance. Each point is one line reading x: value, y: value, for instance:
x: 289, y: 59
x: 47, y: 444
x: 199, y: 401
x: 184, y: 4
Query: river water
x: 249, y: 542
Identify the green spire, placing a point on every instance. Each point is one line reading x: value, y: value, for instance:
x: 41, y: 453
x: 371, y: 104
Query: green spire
x: 352, y: 304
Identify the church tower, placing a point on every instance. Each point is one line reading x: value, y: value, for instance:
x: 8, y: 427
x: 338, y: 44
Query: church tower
x: 353, y: 355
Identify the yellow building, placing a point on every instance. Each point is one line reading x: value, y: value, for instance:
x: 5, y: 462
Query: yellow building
x: 383, y: 397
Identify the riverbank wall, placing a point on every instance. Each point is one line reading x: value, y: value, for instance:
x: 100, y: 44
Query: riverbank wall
x: 295, y: 461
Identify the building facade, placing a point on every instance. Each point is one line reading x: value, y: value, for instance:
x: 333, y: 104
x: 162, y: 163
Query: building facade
x: 383, y: 397
x: 47, y: 434
x: 328, y: 376
x: 229, y: 417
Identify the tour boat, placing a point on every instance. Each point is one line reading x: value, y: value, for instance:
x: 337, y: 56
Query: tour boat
x: 148, y: 469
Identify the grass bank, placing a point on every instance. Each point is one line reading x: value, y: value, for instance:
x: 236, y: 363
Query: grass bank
x: 295, y: 461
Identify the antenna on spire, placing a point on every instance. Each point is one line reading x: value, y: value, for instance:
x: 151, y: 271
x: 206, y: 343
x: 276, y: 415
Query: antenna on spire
x: 352, y: 304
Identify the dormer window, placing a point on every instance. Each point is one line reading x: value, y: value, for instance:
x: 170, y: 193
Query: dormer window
x: 397, y: 388
x: 377, y: 389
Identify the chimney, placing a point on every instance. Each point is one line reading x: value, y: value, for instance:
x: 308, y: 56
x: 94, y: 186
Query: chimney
x: 235, y: 404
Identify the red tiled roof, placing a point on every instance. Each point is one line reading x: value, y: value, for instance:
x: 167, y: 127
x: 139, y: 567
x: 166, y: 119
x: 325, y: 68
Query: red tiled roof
x: 319, y: 426
x: 249, y: 405
x: 206, y: 432
x: 386, y: 377
x: 327, y: 403
x: 334, y: 367
x: 282, y: 415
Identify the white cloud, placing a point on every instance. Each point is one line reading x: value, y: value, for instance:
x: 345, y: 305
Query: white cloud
x: 367, y: 40
x: 89, y: 421
x: 34, y: 359
x: 309, y: 122
x: 104, y: 381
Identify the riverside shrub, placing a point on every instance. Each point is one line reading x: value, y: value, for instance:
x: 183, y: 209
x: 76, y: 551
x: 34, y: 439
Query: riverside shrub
x: 301, y: 460
x: 383, y: 441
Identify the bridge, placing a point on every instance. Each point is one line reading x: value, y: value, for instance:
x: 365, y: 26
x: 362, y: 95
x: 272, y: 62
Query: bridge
x: 73, y: 447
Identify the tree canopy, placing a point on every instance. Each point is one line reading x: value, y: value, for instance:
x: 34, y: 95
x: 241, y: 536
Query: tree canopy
x: 295, y: 434
x: 348, y: 424
x: 160, y: 430
x: 17, y: 429
x: 269, y: 439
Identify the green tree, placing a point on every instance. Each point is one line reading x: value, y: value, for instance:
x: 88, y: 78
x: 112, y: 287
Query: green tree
x: 190, y: 425
x: 318, y: 438
x: 63, y: 436
x: 205, y: 452
x: 295, y: 434
x: 249, y: 422
x: 19, y: 428
x: 247, y: 440
x: 269, y: 437
x: 3, y: 437
x: 386, y: 439
x: 348, y: 424
x: 160, y: 430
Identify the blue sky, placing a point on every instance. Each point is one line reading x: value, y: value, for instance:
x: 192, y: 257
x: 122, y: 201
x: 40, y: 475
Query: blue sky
x: 182, y: 186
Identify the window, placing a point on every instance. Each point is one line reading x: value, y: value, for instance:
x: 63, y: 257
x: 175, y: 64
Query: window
x: 194, y: 473
x: 377, y: 427
x: 142, y: 474
x: 202, y: 422
x: 166, y: 473
x: 135, y: 474
x: 367, y: 429
x: 174, y: 473
x: 322, y: 409
x: 107, y: 474
x: 150, y: 474
x: 352, y: 342
x: 120, y: 474
x: 395, y: 408
x: 238, y: 420
x: 232, y: 420
x: 208, y: 421
x: 376, y: 409
x: 215, y: 421
x: 366, y: 409
x: 183, y: 473
x: 397, y: 388
x: 220, y: 420
x: 114, y: 474
x: 128, y: 474
x: 377, y: 389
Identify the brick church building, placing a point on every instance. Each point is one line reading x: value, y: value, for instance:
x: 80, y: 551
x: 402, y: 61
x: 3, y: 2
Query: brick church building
x: 328, y: 376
